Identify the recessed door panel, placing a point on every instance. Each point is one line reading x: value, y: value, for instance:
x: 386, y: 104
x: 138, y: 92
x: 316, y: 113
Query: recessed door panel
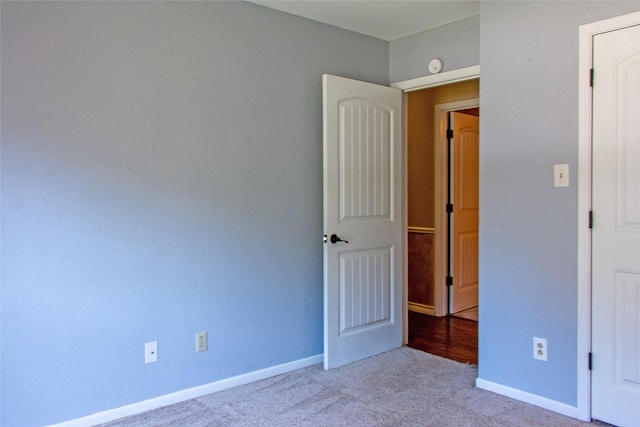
x: 365, y: 290
x: 365, y: 163
x: 627, y: 346
x: 628, y: 144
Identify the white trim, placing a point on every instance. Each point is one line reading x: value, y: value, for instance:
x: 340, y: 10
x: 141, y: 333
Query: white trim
x: 533, y: 399
x: 190, y: 393
x: 586, y: 34
x: 420, y: 308
x: 405, y: 223
x: 584, y: 234
x: 453, y: 76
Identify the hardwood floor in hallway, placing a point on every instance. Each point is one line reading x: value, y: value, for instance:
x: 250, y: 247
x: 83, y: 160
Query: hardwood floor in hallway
x: 451, y: 337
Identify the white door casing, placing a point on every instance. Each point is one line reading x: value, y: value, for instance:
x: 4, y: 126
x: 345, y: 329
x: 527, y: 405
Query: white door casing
x: 616, y: 227
x: 363, y: 281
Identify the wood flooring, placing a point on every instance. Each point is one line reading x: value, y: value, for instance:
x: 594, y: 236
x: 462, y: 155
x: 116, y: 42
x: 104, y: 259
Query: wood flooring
x: 451, y: 337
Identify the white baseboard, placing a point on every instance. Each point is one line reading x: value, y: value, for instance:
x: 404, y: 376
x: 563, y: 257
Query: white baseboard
x: 523, y: 396
x: 191, y: 393
x: 421, y: 308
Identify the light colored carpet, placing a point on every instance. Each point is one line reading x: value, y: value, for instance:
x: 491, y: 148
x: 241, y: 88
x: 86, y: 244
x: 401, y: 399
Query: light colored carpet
x: 404, y: 387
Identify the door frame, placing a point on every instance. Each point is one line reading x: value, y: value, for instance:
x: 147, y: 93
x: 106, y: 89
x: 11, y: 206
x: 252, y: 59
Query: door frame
x: 585, y: 60
x: 441, y: 79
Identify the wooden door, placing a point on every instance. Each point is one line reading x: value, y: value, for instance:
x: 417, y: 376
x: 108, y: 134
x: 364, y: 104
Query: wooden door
x: 616, y: 227
x: 464, y: 188
x: 362, y: 207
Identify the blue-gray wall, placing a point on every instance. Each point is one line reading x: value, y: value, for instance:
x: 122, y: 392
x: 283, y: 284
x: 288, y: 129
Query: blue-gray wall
x: 457, y: 44
x: 528, y: 228
x: 161, y: 175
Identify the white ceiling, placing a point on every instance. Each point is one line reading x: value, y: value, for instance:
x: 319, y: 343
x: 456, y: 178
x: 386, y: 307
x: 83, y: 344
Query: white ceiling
x: 384, y: 19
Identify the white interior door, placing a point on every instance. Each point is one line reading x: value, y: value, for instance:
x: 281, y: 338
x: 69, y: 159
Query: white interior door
x: 465, y: 177
x: 616, y: 227
x: 362, y: 206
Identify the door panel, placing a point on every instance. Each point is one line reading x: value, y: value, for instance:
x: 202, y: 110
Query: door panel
x: 616, y: 227
x: 365, y: 290
x: 363, y: 206
x: 465, y: 151
x: 365, y: 163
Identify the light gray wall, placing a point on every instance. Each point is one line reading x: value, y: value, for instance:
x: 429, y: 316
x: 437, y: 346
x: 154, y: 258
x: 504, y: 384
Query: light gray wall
x: 457, y: 44
x: 528, y: 228
x: 161, y: 175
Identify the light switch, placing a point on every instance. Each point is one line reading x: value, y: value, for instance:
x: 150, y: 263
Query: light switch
x: 561, y: 175
x: 151, y: 352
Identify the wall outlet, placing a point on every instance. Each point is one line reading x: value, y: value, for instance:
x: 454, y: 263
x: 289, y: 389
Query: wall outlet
x: 201, y: 341
x: 151, y: 352
x: 540, y: 349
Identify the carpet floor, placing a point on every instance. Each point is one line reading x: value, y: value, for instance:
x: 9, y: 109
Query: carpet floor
x: 404, y: 387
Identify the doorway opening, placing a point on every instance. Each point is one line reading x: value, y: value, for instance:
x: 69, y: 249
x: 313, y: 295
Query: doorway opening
x: 441, y: 245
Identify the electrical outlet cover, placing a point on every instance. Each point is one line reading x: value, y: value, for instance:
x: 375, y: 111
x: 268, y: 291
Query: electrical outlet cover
x: 201, y: 341
x: 540, y: 350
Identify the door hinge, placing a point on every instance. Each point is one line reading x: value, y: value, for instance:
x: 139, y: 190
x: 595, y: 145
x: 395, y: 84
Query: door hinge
x: 590, y: 360
x: 590, y: 219
x: 449, y: 281
x: 449, y: 207
x: 591, y: 77
x: 449, y: 133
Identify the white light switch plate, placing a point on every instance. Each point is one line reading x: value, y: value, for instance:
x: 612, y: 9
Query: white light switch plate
x: 151, y: 352
x: 561, y: 175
